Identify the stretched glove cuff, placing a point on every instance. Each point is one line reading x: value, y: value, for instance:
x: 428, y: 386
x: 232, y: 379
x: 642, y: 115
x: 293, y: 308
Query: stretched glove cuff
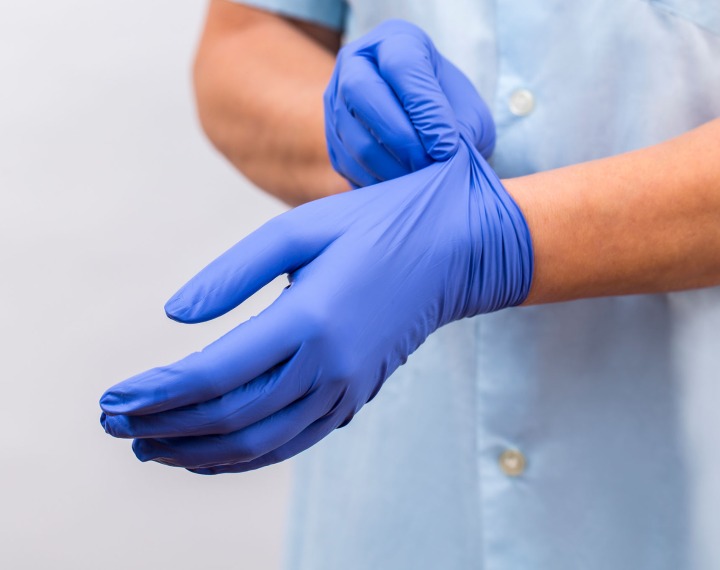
x: 503, y: 260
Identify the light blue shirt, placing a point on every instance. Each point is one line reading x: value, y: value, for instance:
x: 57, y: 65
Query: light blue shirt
x: 613, y: 403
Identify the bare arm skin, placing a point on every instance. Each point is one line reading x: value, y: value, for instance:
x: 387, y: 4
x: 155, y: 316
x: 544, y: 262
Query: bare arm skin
x: 259, y: 81
x: 642, y: 222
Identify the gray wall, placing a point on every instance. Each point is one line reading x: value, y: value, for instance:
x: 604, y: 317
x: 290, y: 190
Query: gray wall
x: 109, y: 199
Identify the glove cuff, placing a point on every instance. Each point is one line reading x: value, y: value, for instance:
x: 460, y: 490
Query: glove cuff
x: 503, y: 261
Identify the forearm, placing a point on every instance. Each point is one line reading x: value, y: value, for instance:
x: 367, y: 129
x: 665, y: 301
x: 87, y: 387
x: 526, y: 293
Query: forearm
x: 259, y: 82
x: 642, y: 222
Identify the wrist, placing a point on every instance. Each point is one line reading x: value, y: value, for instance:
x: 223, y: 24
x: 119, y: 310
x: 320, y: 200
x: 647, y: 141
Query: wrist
x: 505, y: 260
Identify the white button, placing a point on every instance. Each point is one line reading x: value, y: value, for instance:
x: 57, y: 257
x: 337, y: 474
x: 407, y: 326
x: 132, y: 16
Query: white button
x: 522, y: 102
x: 512, y: 462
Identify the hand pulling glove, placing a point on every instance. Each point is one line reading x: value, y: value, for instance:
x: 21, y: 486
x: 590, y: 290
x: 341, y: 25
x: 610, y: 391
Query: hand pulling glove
x: 373, y: 272
x: 394, y: 105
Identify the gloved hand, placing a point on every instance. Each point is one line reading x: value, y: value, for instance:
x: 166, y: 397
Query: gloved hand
x: 372, y: 273
x: 394, y: 105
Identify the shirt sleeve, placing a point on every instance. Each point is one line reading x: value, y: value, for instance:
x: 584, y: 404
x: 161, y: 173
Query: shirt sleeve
x: 329, y: 13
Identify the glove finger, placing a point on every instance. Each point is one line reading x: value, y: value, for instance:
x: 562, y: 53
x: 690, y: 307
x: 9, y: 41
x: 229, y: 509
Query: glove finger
x: 366, y: 150
x: 343, y: 163
x: 410, y: 73
x: 231, y: 361
x: 371, y: 101
x: 470, y: 109
x: 245, y: 405
x: 244, y: 445
x: 309, y: 437
x: 279, y: 246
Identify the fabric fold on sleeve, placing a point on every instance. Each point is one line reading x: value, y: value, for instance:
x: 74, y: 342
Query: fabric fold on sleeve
x: 329, y: 13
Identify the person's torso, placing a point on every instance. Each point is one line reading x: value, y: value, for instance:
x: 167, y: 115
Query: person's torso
x: 611, y: 401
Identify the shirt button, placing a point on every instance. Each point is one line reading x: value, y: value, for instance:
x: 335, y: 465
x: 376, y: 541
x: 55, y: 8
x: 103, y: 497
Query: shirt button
x: 512, y: 462
x: 522, y: 102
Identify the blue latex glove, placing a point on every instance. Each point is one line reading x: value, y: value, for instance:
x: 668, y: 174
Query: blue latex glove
x: 394, y: 105
x: 373, y: 272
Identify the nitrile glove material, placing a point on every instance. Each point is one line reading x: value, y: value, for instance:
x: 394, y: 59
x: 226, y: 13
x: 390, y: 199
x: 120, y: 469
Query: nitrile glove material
x: 394, y: 105
x: 373, y: 272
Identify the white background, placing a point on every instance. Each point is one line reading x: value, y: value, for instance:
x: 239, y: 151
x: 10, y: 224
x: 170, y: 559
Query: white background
x: 110, y: 198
